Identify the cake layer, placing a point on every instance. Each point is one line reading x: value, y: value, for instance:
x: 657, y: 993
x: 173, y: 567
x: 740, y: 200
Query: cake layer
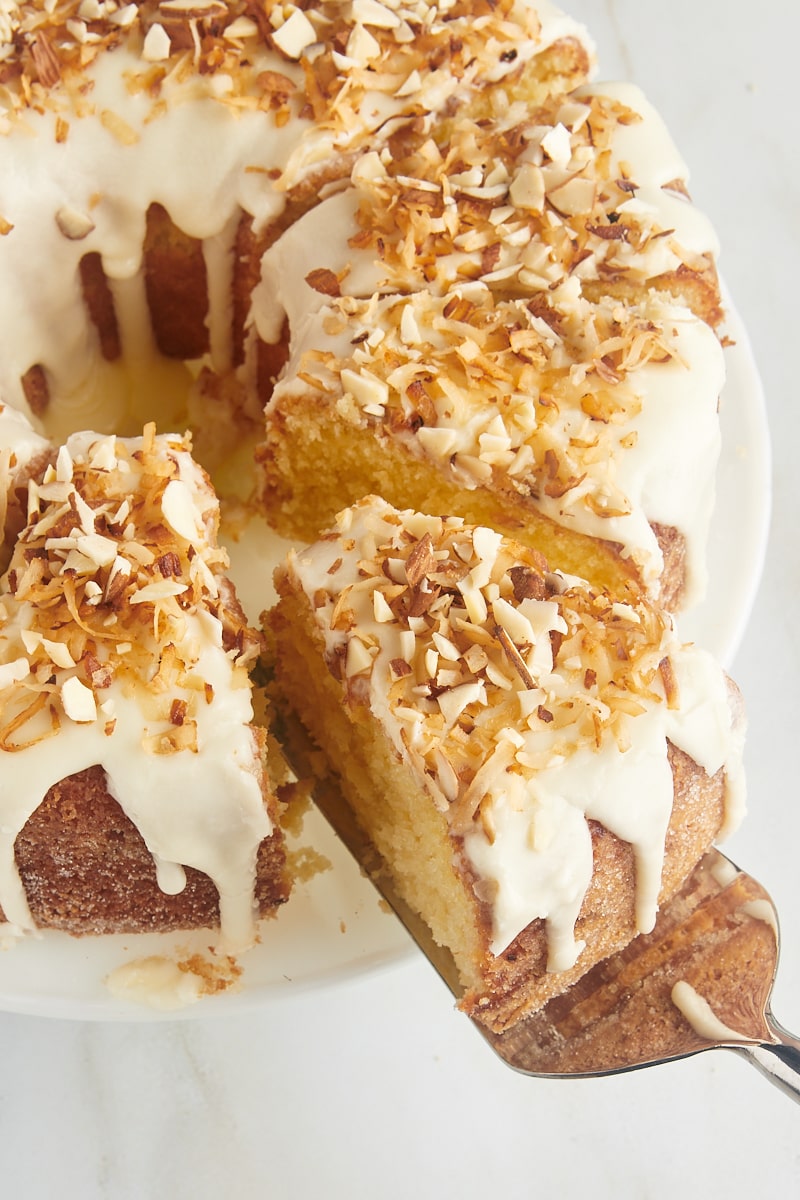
x: 538, y: 763
x: 124, y: 649
x: 589, y: 428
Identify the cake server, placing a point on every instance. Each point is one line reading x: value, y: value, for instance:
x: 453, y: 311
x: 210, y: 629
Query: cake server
x: 701, y: 980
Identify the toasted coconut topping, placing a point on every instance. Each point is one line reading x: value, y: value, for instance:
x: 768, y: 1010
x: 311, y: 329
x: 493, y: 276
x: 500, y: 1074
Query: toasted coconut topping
x: 510, y: 653
x: 115, y: 553
x: 524, y: 204
x: 526, y: 701
x: 276, y: 100
x: 336, y: 60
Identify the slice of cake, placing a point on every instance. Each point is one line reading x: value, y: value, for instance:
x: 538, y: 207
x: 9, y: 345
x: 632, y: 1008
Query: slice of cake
x: 587, y: 429
x: 539, y: 763
x: 133, y: 794
x: 589, y: 187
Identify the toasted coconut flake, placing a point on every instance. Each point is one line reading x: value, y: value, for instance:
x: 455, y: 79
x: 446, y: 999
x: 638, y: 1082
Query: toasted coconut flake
x: 28, y: 713
x: 670, y: 683
x: 118, y: 128
x: 324, y: 281
x: 514, y: 657
x: 193, y: 9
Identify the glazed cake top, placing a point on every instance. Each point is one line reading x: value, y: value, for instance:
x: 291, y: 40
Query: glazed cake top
x: 261, y: 99
x: 591, y: 187
x: 526, y: 703
x: 121, y: 645
x: 347, y: 68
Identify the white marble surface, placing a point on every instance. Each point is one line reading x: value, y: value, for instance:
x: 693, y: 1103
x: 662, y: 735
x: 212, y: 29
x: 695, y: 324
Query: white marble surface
x: 374, y: 1086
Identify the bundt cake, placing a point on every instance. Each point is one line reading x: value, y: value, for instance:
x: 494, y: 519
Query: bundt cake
x: 382, y: 246
x: 150, y: 152
x: 539, y: 763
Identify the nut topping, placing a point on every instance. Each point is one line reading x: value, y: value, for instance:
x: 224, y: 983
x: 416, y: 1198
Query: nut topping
x: 118, y: 549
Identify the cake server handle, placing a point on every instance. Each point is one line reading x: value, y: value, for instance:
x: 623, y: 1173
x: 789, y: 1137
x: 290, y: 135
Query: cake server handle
x: 779, y: 1061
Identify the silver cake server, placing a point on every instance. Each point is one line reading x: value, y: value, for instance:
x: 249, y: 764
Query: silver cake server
x: 701, y: 980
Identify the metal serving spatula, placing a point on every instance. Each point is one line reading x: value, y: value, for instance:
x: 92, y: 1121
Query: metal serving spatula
x: 701, y: 980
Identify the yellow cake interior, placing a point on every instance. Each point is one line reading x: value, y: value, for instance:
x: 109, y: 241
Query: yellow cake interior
x: 410, y: 836
x: 339, y: 463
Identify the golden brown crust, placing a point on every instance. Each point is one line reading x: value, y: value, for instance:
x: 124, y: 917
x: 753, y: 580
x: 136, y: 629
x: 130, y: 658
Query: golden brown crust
x: 16, y: 503
x: 247, y: 250
x: 86, y: 869
x: 100, y: 305
x: 672, y: 544
x: 517, y: 982
x: 36, y: 389
x: 176, y: 285
x: 622, y: 1011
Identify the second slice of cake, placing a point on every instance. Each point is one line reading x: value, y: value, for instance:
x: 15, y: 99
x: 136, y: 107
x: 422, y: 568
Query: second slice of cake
x: 539, y: 763
x: 133, y: 795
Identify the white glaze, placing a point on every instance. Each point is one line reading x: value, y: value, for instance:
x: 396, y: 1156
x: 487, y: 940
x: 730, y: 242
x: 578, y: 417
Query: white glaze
x: 701, y: 1016
x: 18, y: 440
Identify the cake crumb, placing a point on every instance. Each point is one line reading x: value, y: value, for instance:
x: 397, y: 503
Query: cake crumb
x: 167, y: 985
x: 305, y: 863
